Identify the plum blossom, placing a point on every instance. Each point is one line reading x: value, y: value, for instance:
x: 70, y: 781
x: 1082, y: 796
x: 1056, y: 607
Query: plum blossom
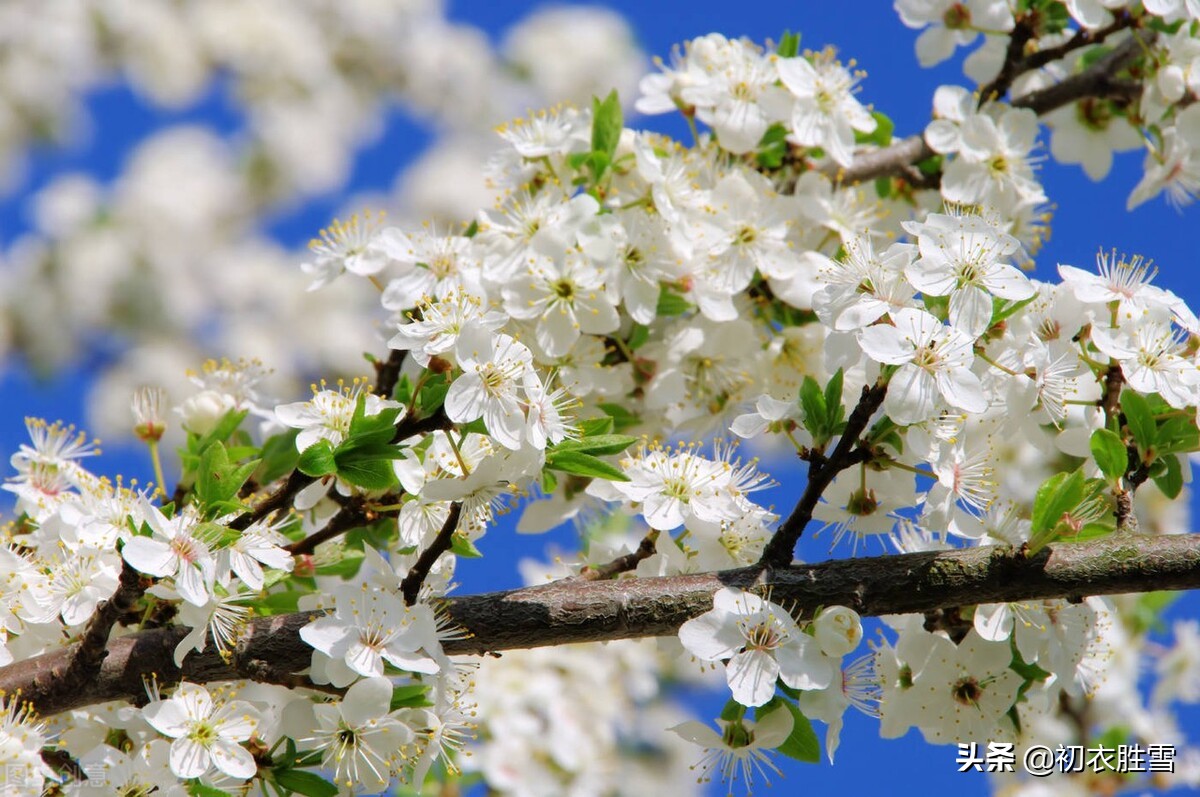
x: 962, y: 256
x: 368, y: 628
x: 934, y: 361
x: 741, y: 748
x: 762, y: 644
x: 826, y: 113
x: 362, y: 742
x: 175, y: 550
x: 495, y: 371
x: 207, y: 732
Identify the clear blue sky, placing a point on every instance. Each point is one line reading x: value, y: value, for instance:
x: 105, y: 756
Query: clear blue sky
x: 1088, y: 217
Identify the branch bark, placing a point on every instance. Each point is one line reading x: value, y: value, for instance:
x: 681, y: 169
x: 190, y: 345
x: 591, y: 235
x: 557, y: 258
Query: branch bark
x: 1096, y: 81
x: 578, y: 610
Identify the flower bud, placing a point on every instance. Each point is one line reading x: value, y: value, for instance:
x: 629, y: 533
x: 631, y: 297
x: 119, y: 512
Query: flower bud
x: 838, y: 630
x: 203, y: 411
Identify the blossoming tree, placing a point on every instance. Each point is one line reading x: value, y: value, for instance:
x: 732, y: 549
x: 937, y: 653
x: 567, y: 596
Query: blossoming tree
x: 284, y: 617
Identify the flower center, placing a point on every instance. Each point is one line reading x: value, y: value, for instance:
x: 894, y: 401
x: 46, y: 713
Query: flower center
x: 967, y: 691
x: 763, y: 637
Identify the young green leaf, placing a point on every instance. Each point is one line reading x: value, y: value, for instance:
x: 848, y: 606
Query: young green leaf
x: 1110, y: 454
x: 1139, y: 418
x: 317, y: 460
x: 584, y: 465
x: 802, y: 743
x: 1171, y: 482
x: 299, y: 781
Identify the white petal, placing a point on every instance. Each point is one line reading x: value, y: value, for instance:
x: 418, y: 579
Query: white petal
x: 911, y: 396
x: 233, y: 759
x: 189, y: 759
x: 962, y: 389
x: 751, y: 676
x: 150, y: 556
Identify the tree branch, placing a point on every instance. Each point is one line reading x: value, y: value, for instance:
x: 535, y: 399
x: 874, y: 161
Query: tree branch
x: 411, y: 585
x: 577, y: 610
x: 779, y: 551
x: 348, y: 517
x: 1095, y: 81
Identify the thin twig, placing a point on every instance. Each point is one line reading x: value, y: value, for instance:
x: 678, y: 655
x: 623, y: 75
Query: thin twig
x: 387, y: 372
x: 411, y: 585
x: 622, y: 564
x: 348, y: 517
x: 780, y: 549
x: 1095, y: 81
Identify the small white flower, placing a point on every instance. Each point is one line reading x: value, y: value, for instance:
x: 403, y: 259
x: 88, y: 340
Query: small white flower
x: 762, y: 644
x: 495, y: 367
x: 328, y: 415
x: 363, y: 742
x: 934, y: 361
x: 174, y: 551
x: 207, y: 733
x: 826, y: 112
x: 838, y: 630
x: 368, y: 628
x: 741, y: 748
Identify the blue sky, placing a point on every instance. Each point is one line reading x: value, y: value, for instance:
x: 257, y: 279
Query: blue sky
x: 1087, y: 217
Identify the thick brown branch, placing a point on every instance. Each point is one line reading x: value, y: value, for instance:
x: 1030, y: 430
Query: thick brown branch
x: 92, y: 648
x: 410, y: 587
x: 779, y: 550
x: 593, y: 611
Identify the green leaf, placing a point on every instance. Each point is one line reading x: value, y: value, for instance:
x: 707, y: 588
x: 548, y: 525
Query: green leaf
x: 593, y: 427
x: 346, y: 567
x: 812, y: 403
x: 224, y: 429
x: 1058, y: 495
x: 607, y: 124
x: 317, y: 460
x: 410, y: 696
x: 214, y: 462
x: 584, y: 465
x: 461, y: 545
x: 598, y: 445
x: 1139, y: 418
x: 881, y: 135
x: 279, y: 456
x: 671, y: 303
x: 732, y: 711
x: 834, y: 411
x: 1004, y: 309
x: 198, y: 789
x: 772, y: 147
x: 300, y: 781
x: 1149, y: 607
x: 638, y: 337
x: 789, y: 45
x: 802, y: 743
x: 1177, y: 435
x: 1171, y: 482
x: 622, y: 418
x: 1110, y: 454
x: 369, y: 474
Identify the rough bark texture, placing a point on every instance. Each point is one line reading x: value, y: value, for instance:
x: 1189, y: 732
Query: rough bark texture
x: 578, y: 610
